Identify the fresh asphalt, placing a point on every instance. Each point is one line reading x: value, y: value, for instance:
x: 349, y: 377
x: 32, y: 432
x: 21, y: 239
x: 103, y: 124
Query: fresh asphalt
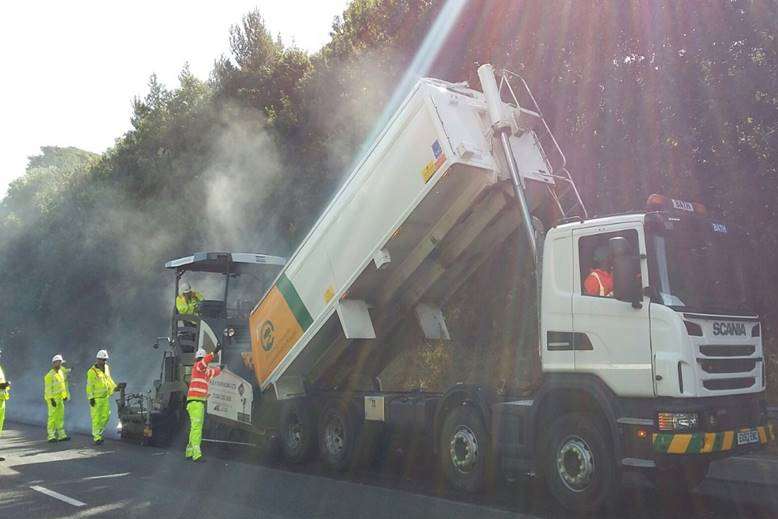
x: 118, y: 480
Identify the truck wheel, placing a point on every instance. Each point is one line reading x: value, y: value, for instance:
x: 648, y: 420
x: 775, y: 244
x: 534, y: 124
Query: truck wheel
x: 682, y: 479
x: 577, y: 465
x: 464, y: 449
x: 298, y: 432
x: 337, y: 436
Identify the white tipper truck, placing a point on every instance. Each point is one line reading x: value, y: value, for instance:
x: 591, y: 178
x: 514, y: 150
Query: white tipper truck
x: 659, y: 369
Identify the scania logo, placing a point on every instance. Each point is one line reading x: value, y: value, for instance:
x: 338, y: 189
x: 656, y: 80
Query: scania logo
x: 726, y: 328
x: 266, y: 335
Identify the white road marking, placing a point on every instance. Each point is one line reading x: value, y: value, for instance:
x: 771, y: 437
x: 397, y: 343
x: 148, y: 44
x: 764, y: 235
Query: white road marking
x: 57, y: 495
x: 122, y: 474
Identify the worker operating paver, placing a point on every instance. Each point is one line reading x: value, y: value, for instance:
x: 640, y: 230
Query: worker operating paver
x: 99, y: 387
x: 56, y: 393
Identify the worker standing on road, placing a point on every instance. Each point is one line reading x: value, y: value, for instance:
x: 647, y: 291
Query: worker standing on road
x: 5, y: 394
x: 99, y: 387
x: 196, y: 399
x: 188, y: 302
x: 55, y: 392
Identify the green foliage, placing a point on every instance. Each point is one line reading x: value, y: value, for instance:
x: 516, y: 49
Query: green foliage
x: 48, y: 174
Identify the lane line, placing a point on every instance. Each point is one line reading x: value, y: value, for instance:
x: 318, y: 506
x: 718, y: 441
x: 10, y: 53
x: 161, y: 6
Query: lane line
x: 120, y: 475
x: 57, y: 495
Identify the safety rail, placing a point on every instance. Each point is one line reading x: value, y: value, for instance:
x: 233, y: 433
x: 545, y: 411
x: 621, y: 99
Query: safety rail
x: 564, y: 191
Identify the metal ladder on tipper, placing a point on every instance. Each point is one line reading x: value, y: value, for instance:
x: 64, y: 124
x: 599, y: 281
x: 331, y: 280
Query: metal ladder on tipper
x: 563, y: 191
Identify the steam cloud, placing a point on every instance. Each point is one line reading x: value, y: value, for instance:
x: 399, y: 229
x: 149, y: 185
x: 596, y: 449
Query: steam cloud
x: 228, y: 206
x: 248, y: 197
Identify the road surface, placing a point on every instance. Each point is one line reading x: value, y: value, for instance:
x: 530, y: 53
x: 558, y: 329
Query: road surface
x: 118, y: 480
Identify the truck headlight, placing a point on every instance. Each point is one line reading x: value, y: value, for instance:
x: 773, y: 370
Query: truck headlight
x: 678, y: 422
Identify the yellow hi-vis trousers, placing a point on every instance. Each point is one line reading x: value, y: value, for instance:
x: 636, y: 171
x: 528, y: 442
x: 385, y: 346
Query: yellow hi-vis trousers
x: 2, y: 414
x: 196, y: 411
x: 55, y: 426
x: 101, y: 413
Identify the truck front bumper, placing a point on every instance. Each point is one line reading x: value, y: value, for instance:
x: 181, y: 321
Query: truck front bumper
x: 711, y: 442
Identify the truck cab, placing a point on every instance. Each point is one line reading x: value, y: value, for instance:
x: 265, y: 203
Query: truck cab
x: 671, y: 359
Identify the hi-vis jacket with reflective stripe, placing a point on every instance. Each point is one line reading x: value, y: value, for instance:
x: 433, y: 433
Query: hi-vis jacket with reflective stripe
x: 99, y: 384
x: 201, y: 377
x: 190, y: 306
x: 55, y: 385
x: 5, y: 394
x: 599, y: 283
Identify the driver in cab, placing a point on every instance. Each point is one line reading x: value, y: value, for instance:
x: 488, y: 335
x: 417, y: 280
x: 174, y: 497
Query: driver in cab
x: 599, y: 282
x: 188, y: 301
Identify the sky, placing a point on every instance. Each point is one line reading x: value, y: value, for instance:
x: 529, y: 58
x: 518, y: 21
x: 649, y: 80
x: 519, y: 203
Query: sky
x: 71, y: 69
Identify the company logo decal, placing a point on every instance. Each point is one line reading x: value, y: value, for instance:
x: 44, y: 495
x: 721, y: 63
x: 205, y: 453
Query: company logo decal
x: 266, y: 335
x: 727, y: 328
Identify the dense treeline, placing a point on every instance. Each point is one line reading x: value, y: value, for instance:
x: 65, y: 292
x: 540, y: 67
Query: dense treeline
x: 661, y: 96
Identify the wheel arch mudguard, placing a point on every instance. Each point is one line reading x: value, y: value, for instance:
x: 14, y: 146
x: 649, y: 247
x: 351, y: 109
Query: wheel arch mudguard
x: 566, y: 392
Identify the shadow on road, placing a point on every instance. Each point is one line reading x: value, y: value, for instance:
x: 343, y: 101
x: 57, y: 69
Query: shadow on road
x: 715, y: 498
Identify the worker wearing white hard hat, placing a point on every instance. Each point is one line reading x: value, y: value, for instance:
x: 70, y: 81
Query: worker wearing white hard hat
x: 196, y: 398
x: 56, y: 393
x: 99, y: 387
x: 188, y: 301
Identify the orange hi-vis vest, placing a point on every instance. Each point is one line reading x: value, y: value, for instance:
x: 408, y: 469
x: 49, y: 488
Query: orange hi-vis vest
x: 599, y: 283
x: 201, y: 377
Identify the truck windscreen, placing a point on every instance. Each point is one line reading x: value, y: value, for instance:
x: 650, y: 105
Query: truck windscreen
x: 696, y: 265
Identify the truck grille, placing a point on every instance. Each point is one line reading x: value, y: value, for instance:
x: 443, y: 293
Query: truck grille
x: 727, y: 350
x: 727, y: 365
x: 716, y: 360
x: 719, y: 384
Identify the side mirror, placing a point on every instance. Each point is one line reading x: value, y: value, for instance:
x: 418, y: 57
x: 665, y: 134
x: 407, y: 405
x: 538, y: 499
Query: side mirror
x: 627, y: 284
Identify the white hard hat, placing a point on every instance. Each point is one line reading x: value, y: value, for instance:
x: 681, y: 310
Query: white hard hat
x: 186, y: 287
x: 200, y: 353
x: 56, y: 358
x: 102, y: 354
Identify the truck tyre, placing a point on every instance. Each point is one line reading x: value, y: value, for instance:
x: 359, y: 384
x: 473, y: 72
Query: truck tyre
x: 338, y: 432
x: 682, y: 479
x: 297, y: 430
x: 464, y: 449
x: 576, y: 463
